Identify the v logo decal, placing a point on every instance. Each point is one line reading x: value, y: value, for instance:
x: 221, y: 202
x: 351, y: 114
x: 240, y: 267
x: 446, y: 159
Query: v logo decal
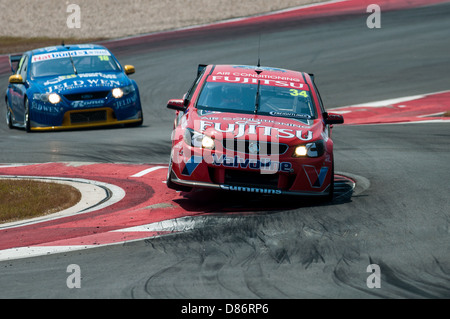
x: 191, y: 165
x: 315, y: 179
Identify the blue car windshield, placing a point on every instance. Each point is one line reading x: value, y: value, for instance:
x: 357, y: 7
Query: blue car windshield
x: 81, y: 61
x: 242, y: 98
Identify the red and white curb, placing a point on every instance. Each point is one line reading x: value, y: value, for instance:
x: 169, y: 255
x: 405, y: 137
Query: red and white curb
x: 424, y: 108
x: 121, y: 202
x: 124, y: 235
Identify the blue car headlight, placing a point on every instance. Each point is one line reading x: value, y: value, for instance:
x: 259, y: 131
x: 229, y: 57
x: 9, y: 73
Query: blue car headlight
x: 123, y: 91
x: 53, y: 98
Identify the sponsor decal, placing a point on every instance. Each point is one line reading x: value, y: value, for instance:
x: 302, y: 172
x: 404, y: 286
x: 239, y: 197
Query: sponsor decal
x: 66, y: 54
x: 42, y: 107
x: 59, y: 79
x: 253, y: 148
x: 239, y: 128
x: 77, y: 84
x: 249, y: 67
x: 97, y: 74
x: 191, y: 165
x: 83, y: 75
x: 315, y: 178
x: 290, y: 114
x: 77, y: 104
x: 126, y: 101
x: 262, y: 81
x: 256, y: 164
x: 251, y: 189
x: 249, y: 120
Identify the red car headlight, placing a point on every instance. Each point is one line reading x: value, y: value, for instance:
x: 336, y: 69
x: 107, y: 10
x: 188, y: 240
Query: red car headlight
x: 197, y: 139
x: 314, y: 149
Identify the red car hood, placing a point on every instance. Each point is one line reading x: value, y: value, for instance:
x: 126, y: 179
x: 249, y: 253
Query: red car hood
x: 256, y: 127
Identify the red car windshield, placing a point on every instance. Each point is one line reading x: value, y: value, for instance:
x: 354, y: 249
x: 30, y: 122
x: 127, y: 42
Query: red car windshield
x: 242, y: 98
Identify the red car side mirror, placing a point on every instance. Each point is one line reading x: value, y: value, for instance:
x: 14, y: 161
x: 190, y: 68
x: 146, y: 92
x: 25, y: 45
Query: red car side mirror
x: 176, y: 104
x: 331, y: 118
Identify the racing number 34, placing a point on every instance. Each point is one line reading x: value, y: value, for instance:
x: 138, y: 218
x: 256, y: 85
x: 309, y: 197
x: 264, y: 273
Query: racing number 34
x: 295, y: 92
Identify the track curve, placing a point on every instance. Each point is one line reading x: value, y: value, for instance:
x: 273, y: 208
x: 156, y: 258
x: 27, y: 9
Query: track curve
x: 399, y: 220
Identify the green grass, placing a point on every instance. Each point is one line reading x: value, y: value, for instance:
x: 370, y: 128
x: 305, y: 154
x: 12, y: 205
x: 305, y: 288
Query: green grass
x: 23, y: 199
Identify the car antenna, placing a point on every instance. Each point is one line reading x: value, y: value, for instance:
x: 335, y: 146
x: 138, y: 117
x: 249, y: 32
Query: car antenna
x: 258, y: 71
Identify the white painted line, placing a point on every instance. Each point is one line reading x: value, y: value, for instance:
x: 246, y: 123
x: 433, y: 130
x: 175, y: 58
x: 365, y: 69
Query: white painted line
x: 340, y: 112
x: 174, y: 225
x: 148, y: 170
x: 433, y: 115
x: 35, y: 251
x: 390, y: 101
x: 13, y: 165
x: 416, y: 122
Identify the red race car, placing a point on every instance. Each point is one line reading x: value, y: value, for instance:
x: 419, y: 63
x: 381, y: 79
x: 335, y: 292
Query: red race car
x: 252, y: 129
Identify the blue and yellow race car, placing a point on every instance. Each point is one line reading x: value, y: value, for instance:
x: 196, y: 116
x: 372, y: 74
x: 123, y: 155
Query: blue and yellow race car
x: 71, y: 87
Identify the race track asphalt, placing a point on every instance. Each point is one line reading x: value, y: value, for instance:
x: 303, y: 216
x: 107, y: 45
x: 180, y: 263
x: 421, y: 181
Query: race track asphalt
x: 398, y: 220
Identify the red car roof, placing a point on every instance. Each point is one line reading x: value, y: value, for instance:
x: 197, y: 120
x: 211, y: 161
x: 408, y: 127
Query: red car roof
x: 263, y: 75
